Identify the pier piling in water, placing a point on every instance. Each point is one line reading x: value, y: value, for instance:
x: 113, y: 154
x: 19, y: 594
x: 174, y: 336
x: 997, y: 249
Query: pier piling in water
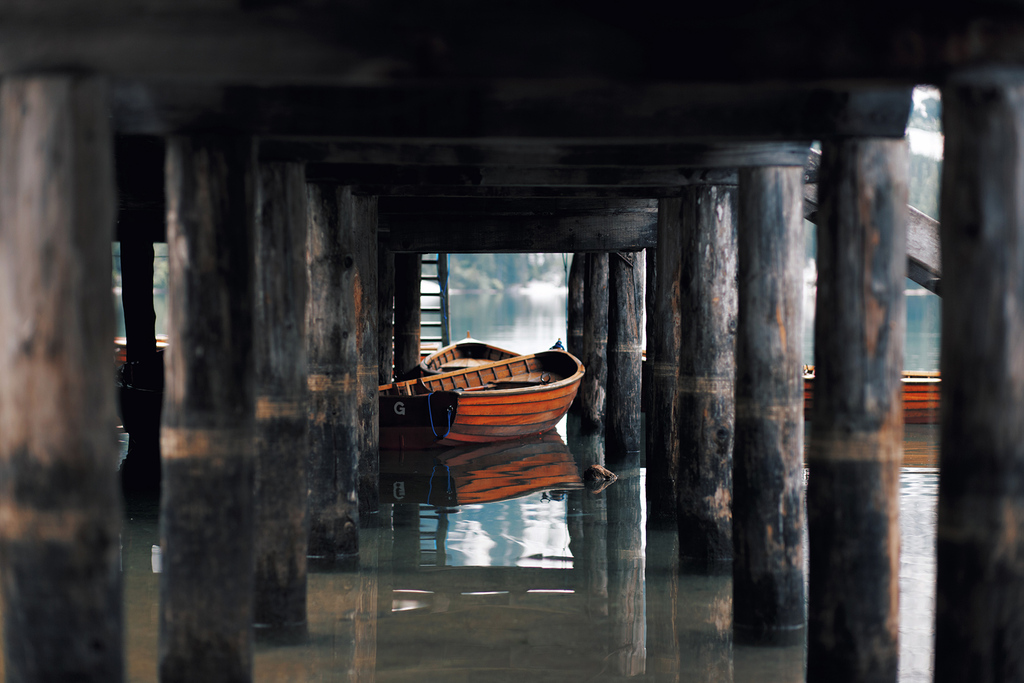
x: 282, y: 420
x: 856, y: 437
x: 768, y: 473
x: 625, y: 359
x: 206, y: 441
x: 408, y: 268
x: 594, y: 387
x: 59, y: 551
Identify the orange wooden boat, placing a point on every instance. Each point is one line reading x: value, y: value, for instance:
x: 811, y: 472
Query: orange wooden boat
x: 920, y: 396
x: 507, y: 399
x: 487, y: 473
x: 465, y: 353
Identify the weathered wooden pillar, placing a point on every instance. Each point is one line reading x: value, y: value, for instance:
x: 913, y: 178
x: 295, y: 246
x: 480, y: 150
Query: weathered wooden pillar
x: 363, y: 214
x: 576, y: 297
x: 206, y: 506
x: 407, y: 313
x: 625, y: 359
x: 661, y: 369
x: 593, y: 388
x: 59, y: 576
x: 333, y: 356
x: 282, y: 421
x: 705, y: 218
x: 385, y: 315
x: 856, y: 438
x: 980, y: 577
x: 768, y: 475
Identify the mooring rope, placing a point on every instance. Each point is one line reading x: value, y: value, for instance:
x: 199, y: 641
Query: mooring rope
x: 430, y: 416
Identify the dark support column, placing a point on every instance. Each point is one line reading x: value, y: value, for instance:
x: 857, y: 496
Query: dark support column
x: 59, y: 554
x: 768, y: 475
x: 333, y: 357
x: 206, y: 507
x: 592, y: 393
x: 625, y: 359
x: 282, y: 421
x: 706, y: 221
x: 980, y: 580
x: 363, y: 214
x: 407, y: 313
x: 575, y: 314
x: 856, y: 439
x: 385, y: 315
x: 662, y: 367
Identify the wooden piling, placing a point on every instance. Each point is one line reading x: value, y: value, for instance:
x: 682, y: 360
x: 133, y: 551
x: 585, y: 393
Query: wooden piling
x: 625, y: 359
x: 574, y: 315
x: 206, y: 507
x: 385, y: 315
x: 333, y: 357
x: 768, y: 475
x: 705, y: 219
x: 363, y: 214
x: 59, y: 554
x: 593, y: 388
x: 856, y: 437
x: 407, y: 313
x: 980, y: 577
x: 282, y: 421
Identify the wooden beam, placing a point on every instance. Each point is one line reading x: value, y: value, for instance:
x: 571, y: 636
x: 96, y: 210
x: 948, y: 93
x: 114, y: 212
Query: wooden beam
x: 491, y: 226
x: 539, y: 108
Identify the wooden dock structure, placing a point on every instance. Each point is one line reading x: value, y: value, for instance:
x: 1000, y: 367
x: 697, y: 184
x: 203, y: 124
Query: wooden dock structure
x: 298, y: 157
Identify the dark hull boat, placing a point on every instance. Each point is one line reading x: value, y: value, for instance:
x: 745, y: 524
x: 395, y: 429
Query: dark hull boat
x: 507, y: 399
x: 487, y: 473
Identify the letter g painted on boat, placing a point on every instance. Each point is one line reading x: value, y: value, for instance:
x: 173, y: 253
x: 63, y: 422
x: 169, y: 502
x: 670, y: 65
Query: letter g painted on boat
x: 399, y: 408
x: 399, y: 490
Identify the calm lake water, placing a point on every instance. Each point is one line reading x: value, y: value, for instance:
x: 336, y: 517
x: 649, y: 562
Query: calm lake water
x: 496, y: 565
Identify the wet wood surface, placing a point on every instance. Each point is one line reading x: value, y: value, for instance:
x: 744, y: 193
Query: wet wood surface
x: 856, y: 436
x: 706, y: 221
x: 206, y: 506
x: 363, y: 217
x: 593, y: 388
x: 282, y: 421
x: 59, y: 549
x: 768, y: 478
x: 625, y: 360
x: 407, y: 313
x: 385, y: 315
x: 980, y: 580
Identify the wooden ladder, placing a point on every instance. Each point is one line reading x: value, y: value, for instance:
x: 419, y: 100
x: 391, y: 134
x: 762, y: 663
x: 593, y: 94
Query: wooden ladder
x: 434, y: 312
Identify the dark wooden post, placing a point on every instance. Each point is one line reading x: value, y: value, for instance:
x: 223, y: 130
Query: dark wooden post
x: 576, y: 296
x: 61, y: 587
x: 592, y: 393
x: 206, y: 507
x: 856, y: 438
x: 363, y: 215
x: 706, y: 221
x: 625, y: 359
x: 661, y: 369
x: 768, y: 474
x: 333, y: 357
x: 282, y: 421
x: 980, y: 579
x: 385, y: 315
x: 407, y: 313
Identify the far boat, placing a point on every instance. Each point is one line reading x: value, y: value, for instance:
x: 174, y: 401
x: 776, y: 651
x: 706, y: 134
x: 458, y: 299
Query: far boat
x: 506, y: 399
x: 920, y: 396
x: 465, y: 353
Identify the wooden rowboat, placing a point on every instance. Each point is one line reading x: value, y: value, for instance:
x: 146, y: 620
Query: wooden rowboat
x: 508, y: 399
x: 465, y: 353
x: 480, y: 473
x: 920, y: 396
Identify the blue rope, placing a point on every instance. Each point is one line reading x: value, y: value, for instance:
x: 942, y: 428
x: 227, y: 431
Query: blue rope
x: 430, y: 415
x: 430, y: 489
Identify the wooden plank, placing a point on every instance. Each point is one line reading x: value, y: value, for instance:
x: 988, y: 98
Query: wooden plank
x: 282, y: 421
x: 538, y: 153
x: 206, y: 503
x: 59, y: 550
x: 856, y: 440
x: 980, y: 582
x: 483, y: 226
x: 768, y: 482
x: 558, y: 109
x: 706, y: 361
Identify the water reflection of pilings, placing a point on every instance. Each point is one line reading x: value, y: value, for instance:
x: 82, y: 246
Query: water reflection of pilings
x: 626, y: 571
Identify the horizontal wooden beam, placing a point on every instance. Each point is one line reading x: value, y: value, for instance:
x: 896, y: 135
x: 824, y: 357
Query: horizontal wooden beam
x: 558, y: 110
x: 540, y: 225
x: 535, y: 152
